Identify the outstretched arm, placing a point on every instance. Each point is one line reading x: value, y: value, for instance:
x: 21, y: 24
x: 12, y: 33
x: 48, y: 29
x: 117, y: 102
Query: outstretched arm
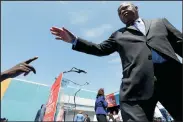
x: 105, y: 48
x: 17, y: 70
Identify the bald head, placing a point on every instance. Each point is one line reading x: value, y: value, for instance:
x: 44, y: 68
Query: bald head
x: 128, y: 12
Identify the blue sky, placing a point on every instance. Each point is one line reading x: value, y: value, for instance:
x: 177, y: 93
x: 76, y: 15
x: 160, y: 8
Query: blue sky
x: 25, y: 33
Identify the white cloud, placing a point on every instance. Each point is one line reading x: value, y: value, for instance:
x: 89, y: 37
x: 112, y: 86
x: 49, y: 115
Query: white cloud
x: 98, y: 31
x: 115, y: 60
x: 79, y: 17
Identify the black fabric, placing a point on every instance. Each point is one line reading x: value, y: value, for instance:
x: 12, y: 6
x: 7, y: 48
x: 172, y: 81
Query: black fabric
x: 169, y: 76
x: 139, y: 111
x: 101, y: 118
x: 134, y: 49
x: 87, y: 119
x: 167, y: 90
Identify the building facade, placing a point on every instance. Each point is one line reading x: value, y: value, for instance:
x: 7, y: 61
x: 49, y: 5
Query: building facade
x: 21, y: 99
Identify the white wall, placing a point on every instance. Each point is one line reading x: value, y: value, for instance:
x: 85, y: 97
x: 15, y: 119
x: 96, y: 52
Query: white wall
x: 79, y: 101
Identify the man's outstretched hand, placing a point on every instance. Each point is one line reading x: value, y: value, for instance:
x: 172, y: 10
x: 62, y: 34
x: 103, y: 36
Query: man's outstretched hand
x: 21, y: 68
x: 63, y: 34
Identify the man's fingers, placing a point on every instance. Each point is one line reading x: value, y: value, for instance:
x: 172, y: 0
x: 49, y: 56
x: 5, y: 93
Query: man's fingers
x: 67, y: 31
x: 25, y: 69
x: 30, y: 60
x: 26, y: 73
x: 55, y: 29
x: 30, y: 68
x: 59, y: 38
x: 55, y: 33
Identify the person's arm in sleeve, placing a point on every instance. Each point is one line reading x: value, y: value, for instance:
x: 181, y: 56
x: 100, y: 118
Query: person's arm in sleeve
x: 37, y: 116
x: 19, y: 69
x: 104, y: 103
x: 175, y: 37
x: 95, y: 107
x: 105, y: 48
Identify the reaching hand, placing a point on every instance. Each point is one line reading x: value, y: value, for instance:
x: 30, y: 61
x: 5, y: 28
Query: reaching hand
x: 20, y: 68
x: 63, y: 34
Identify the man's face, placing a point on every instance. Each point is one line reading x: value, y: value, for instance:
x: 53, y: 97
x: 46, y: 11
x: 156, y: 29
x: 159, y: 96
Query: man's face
x: 128, y: 13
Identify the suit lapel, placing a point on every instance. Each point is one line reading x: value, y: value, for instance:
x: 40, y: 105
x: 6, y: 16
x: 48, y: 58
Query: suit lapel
x: 147, y: 25
x: 132, y: 28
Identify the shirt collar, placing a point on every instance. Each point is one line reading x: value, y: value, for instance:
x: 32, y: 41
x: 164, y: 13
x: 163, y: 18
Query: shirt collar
x: 136, y: 21
x: 139, y: 20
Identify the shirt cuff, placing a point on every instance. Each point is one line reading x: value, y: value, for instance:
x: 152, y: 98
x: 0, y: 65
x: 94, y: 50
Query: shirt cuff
x: 74, y: 42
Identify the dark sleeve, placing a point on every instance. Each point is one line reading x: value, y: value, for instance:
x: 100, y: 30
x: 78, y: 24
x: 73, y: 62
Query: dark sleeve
x: 175, y: 37
x: 37, y: 116
x: 4, y: 76
x: 95, y: 106
x: 105, y: 48
x: 88, y: 119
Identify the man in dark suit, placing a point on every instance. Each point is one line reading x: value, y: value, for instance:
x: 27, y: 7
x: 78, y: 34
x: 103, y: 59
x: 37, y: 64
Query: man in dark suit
x: 149, y: 52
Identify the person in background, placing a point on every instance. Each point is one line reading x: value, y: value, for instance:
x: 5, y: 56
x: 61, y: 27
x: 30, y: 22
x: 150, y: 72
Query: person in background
x: 19, y: 69
x: 79, y: 117
x: 101, y: 106
x: 120, y: 117
x: 4, y: 120
x: 116, y: 116
x: 110, y: 118
x: 87, y: 118
x: 40, y: 113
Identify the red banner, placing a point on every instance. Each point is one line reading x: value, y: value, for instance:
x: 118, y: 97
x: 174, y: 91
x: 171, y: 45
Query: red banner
x: 52, y: 101
x: 111, y: 100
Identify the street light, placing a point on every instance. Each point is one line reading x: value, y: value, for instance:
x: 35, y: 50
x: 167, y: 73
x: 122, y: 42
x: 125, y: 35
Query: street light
x: 74, y: 69
x: 86, y: 83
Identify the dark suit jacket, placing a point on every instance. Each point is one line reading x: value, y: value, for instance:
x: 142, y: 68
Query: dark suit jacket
x: 135, y: 51
x: 87, y: 119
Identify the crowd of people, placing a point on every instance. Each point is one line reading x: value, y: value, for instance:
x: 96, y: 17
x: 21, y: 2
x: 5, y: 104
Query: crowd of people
x: 80, y: 117
x: 149, y: 51
x: 114, y: 117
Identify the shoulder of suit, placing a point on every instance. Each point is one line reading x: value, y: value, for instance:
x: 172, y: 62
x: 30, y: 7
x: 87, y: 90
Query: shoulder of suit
x: 158, y: 19
x: 119, y: 30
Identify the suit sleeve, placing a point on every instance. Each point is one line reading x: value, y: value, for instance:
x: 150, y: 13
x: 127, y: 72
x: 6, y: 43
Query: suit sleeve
x: 105, y: 48
x: 175, y: 37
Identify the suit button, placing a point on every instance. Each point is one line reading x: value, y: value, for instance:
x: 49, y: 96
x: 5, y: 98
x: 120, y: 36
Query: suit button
x: 150, y: 57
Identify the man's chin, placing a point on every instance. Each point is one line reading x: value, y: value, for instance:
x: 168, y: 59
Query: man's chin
x: 129, y: 22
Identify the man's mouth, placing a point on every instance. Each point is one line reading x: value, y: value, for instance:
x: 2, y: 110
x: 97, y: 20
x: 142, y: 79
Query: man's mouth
x: 125, y: 14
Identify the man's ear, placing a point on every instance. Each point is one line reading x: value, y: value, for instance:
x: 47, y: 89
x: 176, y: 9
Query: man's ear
x: 136, y: 8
